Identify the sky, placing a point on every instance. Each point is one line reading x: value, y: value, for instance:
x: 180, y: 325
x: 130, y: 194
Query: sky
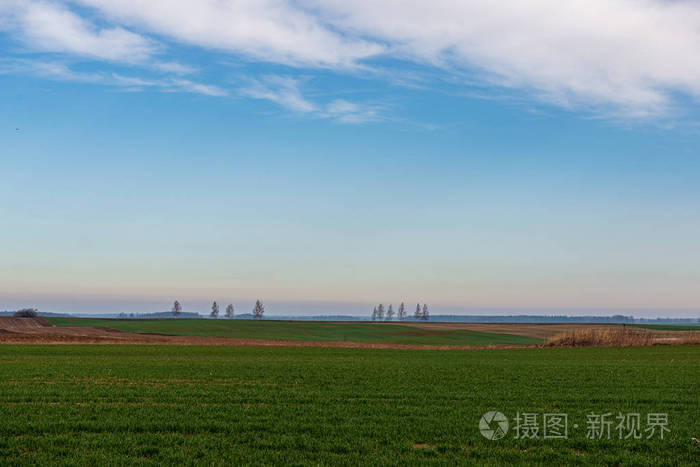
x: 323, y: 156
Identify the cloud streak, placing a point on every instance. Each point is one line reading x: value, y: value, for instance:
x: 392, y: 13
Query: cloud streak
x: 286, y: 92
x: 58, y: 71
x: 281, y: 90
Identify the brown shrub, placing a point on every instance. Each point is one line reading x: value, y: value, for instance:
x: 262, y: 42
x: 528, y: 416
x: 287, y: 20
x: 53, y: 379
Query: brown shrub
x: 26, y: 313
x: 622, y: 337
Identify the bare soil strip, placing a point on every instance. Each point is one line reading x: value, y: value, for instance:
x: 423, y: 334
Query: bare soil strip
x: 223, y: 341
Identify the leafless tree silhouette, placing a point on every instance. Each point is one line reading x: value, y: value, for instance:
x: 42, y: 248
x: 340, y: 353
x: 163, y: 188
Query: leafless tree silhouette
x: 258, y: 310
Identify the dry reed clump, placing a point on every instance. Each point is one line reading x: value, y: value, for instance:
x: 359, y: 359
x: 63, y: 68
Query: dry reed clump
x: 616, y: 336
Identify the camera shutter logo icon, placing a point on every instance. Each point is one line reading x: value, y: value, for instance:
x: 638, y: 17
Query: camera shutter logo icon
x: 493, y: 425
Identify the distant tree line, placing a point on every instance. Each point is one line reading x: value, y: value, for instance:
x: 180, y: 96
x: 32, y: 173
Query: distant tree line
x: 379, y: 314
x: 258, y: 310
x: 176, y: 311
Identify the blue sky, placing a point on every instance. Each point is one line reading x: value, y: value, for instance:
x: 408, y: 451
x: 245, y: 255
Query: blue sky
x: 326, y: 157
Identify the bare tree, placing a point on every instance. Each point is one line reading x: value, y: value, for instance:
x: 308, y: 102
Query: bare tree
x: 417, y: 314
x: 258, y: 310
x: 374, y: 314
x: 229, y: 311
x: 380, y: 312
x: 425, y: 316
x: 390, y: 313
x: 177, y: 308
x: 402, y: 311
x: 214, y: 310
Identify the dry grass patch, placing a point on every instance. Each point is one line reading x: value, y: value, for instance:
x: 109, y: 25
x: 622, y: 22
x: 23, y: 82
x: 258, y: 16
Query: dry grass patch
x: 622, y: 337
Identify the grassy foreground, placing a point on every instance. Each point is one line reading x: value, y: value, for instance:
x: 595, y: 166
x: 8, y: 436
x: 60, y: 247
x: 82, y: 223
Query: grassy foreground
x: 232, y: 405
x: 302, y: 331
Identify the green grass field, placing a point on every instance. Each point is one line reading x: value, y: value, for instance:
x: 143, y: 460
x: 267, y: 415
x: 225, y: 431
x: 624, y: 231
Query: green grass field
x: 302, y: 331
x: 231, y: 405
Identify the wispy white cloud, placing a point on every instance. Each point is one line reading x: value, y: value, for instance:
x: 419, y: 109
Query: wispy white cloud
x: 174, y: 68
x: 61, y: 72
x: 52, y: 27
x: 351, y: 112
x: 50, y: 70
x: 197, y: 88
x: 129, y: 81
x: 44, y: 26
x: 282, y: 90
x: 269, y: 30
x: 286, y: 91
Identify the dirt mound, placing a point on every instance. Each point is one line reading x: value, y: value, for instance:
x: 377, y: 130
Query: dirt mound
x: 10, y: 323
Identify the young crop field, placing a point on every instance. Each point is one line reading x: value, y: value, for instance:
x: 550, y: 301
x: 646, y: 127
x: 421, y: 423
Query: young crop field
x: 304, y: 331
x: 105, y: 404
